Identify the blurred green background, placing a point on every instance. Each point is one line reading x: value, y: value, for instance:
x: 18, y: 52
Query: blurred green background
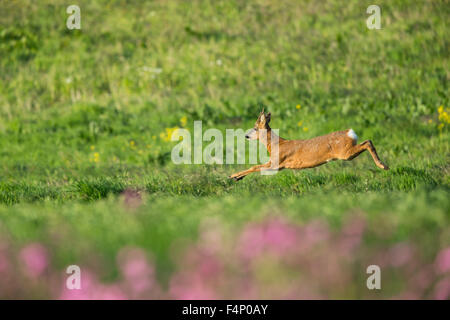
x: 85, y: 115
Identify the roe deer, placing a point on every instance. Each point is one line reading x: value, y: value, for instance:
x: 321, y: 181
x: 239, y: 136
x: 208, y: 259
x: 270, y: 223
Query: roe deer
x: 302, y: 154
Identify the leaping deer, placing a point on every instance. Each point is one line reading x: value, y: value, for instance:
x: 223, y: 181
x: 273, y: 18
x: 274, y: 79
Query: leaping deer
x: 302, y: 154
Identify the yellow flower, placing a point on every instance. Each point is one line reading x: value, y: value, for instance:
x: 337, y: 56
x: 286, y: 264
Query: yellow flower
x: 430, y: 121
x: 132, y: 144
x: 92, y: 147
x: 171, y: 131
x: 183, y: 121
x: 305, y: 129
x: 167, y: 135
x: 96, y: 157
x: 443, y: 115
x: 300, y: 123
x: 298, y: 106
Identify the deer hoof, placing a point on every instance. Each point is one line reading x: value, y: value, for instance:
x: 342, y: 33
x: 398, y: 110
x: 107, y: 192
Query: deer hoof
x: 236, y: 177
x: 383, y: 166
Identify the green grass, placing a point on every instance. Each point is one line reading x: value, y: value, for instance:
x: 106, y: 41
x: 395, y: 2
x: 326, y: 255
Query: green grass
x: 82, y: 111
x: 108, y: 225
x: 204, y: 183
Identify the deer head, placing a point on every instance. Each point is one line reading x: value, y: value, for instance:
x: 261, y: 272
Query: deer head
x: 261, y: 127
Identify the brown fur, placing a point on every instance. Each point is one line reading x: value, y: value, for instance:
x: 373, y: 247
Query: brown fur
x: 302, y: 154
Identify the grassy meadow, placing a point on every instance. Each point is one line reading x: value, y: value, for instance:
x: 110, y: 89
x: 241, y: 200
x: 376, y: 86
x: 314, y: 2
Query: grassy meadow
x: 86, y: 176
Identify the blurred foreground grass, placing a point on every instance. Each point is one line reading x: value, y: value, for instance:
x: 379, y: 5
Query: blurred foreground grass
x: 85, y: 165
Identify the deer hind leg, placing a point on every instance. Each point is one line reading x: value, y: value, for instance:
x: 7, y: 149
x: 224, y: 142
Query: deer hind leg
x: 366, y: 145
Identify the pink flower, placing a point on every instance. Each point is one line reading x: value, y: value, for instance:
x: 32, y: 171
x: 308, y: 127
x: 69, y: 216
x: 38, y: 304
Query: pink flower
x: 5, y: 264
x: 423, y: 278
x: 109, y: 292
x: 280, y: 236
x: 275, y: 236
x: 35, y: 259
x: 183, y: 289
x: 314, y: 233
x: 91, y: 289
x: 442, y: 290
x: 132, y: 199
x: 138, y: 273
x: 251, y: 242
x: 352, y: 234
x: 400, y: 254
x: 87, y: 290
x: 442, y: 263
x: 209, y: 267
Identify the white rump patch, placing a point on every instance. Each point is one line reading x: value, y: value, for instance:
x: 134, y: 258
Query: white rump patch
x: 352, y: 134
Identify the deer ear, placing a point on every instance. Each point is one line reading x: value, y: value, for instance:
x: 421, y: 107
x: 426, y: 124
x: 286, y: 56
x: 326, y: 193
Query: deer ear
x: 268, y: 117
x: 262, y: 117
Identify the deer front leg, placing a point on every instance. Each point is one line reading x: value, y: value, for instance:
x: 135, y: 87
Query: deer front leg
x: 240, y: 175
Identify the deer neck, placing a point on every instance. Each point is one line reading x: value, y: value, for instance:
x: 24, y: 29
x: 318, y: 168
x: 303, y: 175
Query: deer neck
x: 268, y: 138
